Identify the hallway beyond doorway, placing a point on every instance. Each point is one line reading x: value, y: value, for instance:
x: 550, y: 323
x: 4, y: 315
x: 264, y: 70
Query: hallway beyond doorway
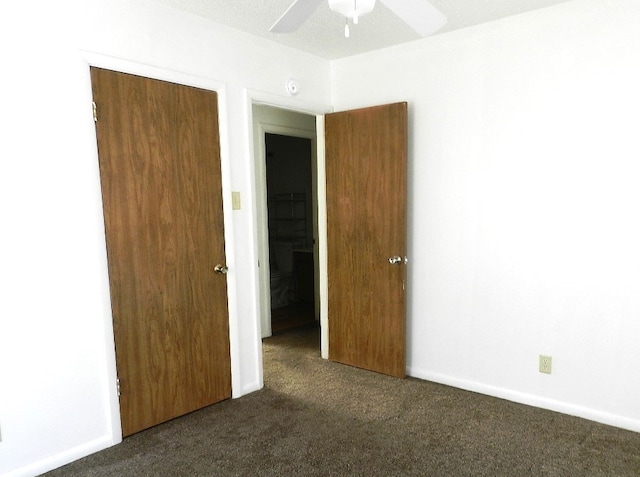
x: 293, y: 316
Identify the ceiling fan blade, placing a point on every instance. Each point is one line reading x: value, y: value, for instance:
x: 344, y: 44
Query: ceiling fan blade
x: 420, y: 15
x: 295, y: 16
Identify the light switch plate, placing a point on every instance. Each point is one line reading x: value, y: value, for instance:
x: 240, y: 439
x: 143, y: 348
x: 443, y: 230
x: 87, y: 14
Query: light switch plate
x: 235, y: 201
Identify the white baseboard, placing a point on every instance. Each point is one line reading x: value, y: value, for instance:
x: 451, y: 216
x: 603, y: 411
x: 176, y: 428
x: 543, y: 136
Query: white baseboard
x: 602, y: 417
x: 44, y: 465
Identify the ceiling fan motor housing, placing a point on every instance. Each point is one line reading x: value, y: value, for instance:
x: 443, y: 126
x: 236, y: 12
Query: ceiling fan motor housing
x: 352, y: 8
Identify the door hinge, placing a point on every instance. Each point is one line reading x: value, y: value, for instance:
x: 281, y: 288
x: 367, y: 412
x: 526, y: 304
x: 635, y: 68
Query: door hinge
x: 118, y: 386
x: 94, y: 108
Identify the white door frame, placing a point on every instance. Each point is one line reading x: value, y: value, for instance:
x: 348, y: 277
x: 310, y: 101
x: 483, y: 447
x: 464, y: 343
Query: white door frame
x: 259, y: 193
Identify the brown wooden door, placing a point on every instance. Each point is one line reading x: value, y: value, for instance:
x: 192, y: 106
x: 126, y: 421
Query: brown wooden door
x: 161, y: 187
x: 366, y: 162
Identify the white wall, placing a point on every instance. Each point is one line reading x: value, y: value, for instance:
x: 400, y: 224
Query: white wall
x: 57, y: 368
x: 524, y: 196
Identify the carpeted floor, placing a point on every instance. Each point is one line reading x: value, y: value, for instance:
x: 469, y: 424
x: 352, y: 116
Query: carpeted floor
x: 317, y: 418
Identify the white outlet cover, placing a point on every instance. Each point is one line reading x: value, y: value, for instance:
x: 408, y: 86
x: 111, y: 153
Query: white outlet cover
x: 545, y: 364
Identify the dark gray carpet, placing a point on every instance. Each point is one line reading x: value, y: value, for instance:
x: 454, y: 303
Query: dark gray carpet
x: 320, y: 418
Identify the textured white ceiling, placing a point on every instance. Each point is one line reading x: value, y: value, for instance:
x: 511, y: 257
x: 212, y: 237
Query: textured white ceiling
x: 323, y: 33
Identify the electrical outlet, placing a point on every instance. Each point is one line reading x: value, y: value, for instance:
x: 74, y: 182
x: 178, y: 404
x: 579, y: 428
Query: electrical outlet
x: 545, y: 364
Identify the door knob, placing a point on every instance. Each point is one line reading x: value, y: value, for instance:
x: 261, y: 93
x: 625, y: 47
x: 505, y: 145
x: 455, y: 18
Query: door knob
x: 221, y: 269
x: 397, y: 260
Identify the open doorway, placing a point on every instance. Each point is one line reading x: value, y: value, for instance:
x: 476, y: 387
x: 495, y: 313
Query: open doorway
x: 290, y: 222
x: 287, y: 216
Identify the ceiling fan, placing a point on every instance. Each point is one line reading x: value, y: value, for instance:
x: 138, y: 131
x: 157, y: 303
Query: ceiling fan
x: 420, y: 15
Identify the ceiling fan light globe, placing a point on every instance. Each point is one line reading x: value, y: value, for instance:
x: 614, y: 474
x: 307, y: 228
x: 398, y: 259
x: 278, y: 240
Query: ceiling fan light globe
x: 352, y: 8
